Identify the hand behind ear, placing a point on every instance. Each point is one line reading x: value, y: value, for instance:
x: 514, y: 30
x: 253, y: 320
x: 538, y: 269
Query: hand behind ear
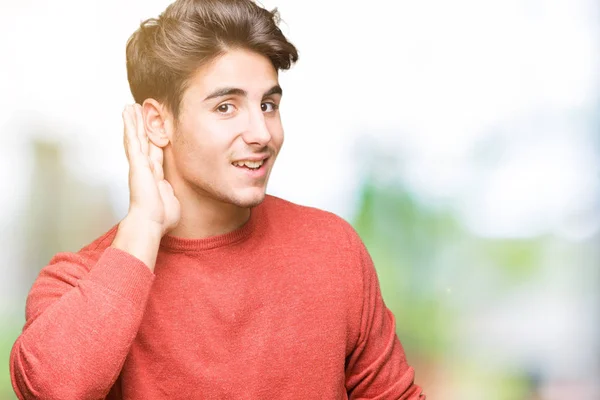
x: 151, y: 197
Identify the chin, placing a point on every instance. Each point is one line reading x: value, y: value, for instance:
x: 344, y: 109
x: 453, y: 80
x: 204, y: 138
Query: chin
x: 248, y: 198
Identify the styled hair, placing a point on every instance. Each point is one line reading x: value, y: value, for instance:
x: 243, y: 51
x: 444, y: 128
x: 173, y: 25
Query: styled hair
x: 164, y: 52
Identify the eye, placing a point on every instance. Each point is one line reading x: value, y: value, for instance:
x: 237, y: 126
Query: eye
x: 225, y: 108
x: 268, y: 107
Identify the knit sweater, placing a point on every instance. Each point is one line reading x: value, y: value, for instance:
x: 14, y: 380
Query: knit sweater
x: 286, y: 307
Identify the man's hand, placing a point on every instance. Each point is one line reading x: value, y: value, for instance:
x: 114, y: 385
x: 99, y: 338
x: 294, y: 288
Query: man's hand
x: 151, y: 197
x: 153, y: 208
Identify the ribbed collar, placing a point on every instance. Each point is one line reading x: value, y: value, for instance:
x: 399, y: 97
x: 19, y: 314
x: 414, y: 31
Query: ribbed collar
x: 179, y: 244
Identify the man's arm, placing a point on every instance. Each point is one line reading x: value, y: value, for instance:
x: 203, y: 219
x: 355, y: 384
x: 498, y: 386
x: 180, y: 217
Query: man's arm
x: 79, y: 327
x: 377, y: 367
x: 81, y: 319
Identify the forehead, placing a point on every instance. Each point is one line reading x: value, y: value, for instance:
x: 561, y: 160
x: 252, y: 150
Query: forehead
x: 242, y: 69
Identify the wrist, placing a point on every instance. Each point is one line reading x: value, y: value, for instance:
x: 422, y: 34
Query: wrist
x: 142, y: 226
x: 140, y: 238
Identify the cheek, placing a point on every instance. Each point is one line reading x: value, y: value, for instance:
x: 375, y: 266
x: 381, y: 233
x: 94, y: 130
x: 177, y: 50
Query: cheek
x: 276, y: 131
x: 218, y: 133
x: 278, y: 140
x: 199, y: 137
x: 188, y: 149
x: 204, y: 147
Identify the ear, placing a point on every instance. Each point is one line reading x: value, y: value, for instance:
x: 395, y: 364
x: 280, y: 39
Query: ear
x: 157, y: 122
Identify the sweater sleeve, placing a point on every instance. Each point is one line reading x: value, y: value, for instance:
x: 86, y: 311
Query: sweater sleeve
x: 80, y: 324
x: 377, y: 367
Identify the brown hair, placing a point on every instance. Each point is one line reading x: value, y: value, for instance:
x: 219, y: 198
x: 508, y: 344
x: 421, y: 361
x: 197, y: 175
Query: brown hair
x: 164, y: 52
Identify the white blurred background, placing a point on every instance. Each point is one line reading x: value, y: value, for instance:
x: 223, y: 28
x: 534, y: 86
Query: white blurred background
x: 462, y: 139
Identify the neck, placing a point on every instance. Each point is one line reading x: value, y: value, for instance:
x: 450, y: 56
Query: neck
x: 203, y: 217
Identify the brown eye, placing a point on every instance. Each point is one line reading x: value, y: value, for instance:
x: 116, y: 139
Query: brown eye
x: 225, y: 108
x: 268, y: 107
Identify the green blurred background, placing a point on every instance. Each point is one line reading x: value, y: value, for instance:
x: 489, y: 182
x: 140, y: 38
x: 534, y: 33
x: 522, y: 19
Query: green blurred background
x: 461, y: 139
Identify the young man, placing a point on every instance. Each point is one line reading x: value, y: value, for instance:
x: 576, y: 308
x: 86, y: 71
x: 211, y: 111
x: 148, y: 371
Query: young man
x: 208, y: 288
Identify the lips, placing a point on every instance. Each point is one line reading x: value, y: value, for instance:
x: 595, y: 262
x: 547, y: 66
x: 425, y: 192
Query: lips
x: 252, y: 162
x: 249, y: 164
x: 254, y: 157
x: 252, y: 169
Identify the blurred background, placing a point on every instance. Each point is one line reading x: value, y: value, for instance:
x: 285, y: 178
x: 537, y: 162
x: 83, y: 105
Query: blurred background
x: 461, y: 139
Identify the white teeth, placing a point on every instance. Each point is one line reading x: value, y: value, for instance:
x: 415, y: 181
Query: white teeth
x: 249, y: 164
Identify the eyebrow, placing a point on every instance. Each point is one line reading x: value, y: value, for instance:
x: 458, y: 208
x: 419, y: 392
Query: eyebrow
x: 228, y: 91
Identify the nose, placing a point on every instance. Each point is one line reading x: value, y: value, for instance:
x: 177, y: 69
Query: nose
x: 257, y: 132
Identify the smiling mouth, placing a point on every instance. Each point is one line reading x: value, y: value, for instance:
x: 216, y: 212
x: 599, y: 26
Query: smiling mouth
x: 251, y: 165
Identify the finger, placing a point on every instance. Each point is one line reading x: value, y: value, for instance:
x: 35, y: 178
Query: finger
x: 141, y: 130
x: 167, y: 186
x: 156, y: 160
x: 129, y: 140
x: 159, y: 174
x: 155, y: 153
x: 125, y: 141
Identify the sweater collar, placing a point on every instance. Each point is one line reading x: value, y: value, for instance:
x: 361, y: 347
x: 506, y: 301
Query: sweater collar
x: 179, y: 244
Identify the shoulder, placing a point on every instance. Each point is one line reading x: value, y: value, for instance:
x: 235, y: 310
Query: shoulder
x: 83, y: 259
x: 101, y: 243
x: 62, y: 273
x: 284, y: 215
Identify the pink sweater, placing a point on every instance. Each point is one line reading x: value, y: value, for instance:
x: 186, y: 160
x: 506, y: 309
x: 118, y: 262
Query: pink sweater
x: 286, y: 307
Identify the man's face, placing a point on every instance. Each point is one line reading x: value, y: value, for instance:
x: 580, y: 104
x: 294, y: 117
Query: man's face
x: 229, y: 130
